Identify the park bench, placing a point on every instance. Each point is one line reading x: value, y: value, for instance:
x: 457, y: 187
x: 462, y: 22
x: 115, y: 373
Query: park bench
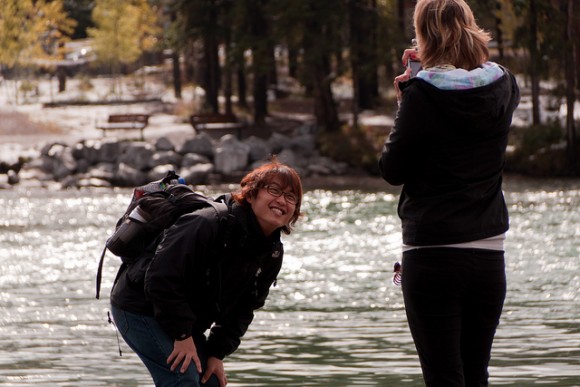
x: 124, y: 122
x: 217, y: 121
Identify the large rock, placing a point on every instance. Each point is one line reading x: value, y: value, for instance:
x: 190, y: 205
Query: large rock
x: 166, y: 157
x: 197, y: 174
x: 159, y: 172
x: 97, y: 151
x: 278, y: 142
x: 192, y: 159
x: 231, y: 155
x: 138, y: 155
x: 101, y: 171
x: 319, y: 165
x: 201, y: 144
x: 59, y: 161
x: 164, y: 144
x: 13, y: 156
x: 259, y: 148
x: 129, y: 176
x: 304, y: 145
x: 288, y: 157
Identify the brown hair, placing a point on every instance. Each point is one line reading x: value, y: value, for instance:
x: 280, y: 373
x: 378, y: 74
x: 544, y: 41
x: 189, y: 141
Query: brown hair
x: 447, y: 33
x: 266, y: 174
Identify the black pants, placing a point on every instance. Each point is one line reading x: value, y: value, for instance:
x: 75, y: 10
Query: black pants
x: 453, y: 300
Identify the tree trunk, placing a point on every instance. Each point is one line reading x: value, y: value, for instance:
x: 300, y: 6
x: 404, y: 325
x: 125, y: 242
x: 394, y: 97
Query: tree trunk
x: 569, y: 71
x: 212, y: 74
x: 241, y: 81
x: 261, y: 62
x: 363, y: 52
x: 260, y: 95
x: 534, y: 63
x: 324, y: 106
x: 61, y: 76
x: 498, y: 31
x: 176, y: 74
x: 228, y: 72
x: 354, y: 17
x: 176, y: 66
x: 293, y: 62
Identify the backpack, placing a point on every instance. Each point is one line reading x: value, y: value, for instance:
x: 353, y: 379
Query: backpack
x: 154, y: 207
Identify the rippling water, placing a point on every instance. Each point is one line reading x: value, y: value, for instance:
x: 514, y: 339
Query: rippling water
x: 335, y: 319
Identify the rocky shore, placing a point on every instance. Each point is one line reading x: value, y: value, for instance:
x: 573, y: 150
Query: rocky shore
x: 200, y: 159
x: 57, y: 145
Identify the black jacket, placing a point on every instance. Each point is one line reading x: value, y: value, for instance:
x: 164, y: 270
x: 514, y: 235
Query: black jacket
x: 447, y: 148
x: 193, y: 282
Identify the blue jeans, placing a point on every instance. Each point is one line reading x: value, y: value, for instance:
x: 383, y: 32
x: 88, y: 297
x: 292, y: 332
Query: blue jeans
x: 453, y: 300
x: 153, y: 346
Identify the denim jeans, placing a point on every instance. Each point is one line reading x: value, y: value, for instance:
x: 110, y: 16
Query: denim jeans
x: 453, y: 300
x: 153, y: 346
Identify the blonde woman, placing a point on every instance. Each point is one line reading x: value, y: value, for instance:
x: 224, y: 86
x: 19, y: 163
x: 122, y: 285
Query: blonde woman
x: 447, y: 149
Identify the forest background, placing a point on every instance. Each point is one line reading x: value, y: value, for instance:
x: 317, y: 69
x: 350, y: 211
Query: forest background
x: 252, y: 57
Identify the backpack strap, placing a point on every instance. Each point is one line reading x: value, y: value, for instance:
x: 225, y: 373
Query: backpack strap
x: 100, y: 272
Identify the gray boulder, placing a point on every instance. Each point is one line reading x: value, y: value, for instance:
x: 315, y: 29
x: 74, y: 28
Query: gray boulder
x: 192, y: 159
x: 304, y: 145
x: 231, y: 155
x: 197, y: 174
x: 201, y: 144
x: 101, y: 171
x: 288, y: 157
x: 12, y: 177
x: 59, y: 161
x: 97, y: 151
x: 259, y: 148
x: 166, y: 157
x: 138, y: 155
x: 12, y: 157
x: 326, y: 166
x: 129, y: 176
x: 164, y: 144
x: 278, y: 142
x: 159, y: 172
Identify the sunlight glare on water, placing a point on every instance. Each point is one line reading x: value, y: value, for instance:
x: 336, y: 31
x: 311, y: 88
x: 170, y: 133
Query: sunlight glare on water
x: 334, y: 318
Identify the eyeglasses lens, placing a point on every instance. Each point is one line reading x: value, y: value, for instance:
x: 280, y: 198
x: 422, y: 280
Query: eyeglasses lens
x: 277, y: 192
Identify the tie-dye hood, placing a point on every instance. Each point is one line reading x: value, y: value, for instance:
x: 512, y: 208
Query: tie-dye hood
x: 460, y: 79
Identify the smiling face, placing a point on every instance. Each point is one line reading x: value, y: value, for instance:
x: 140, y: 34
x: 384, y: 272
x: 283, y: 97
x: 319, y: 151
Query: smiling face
x: 272, y: 212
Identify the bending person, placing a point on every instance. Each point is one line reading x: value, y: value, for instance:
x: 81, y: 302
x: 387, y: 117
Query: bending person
x: 192, y: 285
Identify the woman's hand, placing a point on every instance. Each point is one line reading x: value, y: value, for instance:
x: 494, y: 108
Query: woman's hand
x: 184, y: 350
x: 409, y: 53
x: 215, y: 366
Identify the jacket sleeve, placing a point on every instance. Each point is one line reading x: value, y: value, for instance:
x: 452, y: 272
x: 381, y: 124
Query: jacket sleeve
x: 226, y: 334
x: 167, y: 276
x: 400, y: 152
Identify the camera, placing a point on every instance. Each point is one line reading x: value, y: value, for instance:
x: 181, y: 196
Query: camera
x: 415, y: 67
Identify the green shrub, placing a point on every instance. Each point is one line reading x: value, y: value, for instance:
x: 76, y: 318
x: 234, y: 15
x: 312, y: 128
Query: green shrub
x: 349, y: 145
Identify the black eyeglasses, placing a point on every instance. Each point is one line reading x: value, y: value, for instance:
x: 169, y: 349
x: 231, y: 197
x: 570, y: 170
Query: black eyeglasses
x: 277, y: 192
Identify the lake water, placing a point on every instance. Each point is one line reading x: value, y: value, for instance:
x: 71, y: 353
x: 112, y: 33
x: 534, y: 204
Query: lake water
x: 335, y: 318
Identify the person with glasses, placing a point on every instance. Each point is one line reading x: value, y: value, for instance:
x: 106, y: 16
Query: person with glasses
x: 197, y: 299
x: 447, y: 149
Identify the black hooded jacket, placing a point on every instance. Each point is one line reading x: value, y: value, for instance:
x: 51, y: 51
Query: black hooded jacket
x: 193, y: 282
x: 447, y: 148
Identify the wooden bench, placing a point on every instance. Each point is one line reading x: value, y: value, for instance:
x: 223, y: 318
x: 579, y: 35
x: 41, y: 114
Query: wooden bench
x: 125, y: 122
x: 216, y: 121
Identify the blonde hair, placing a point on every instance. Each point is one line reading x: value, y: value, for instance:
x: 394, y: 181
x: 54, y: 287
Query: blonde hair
x: 447, y: 33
